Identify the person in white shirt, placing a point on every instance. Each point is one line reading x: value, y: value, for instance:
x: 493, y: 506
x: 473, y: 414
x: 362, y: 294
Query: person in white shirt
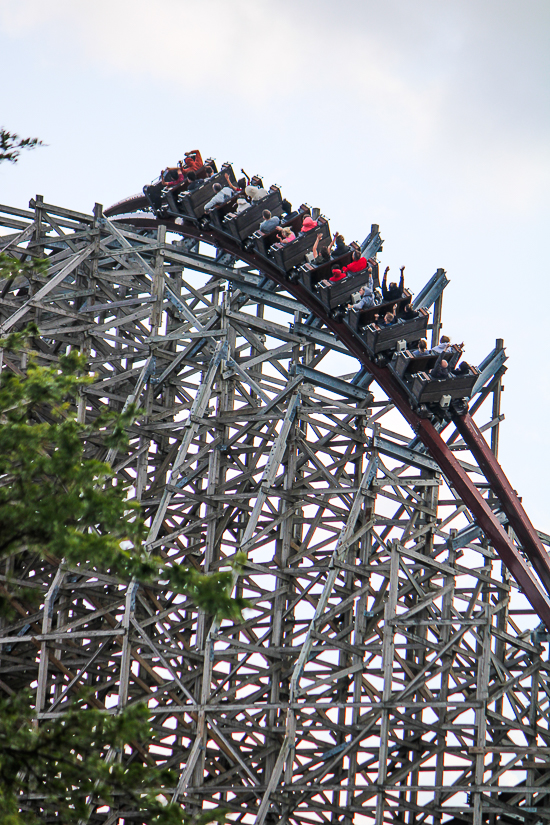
x: 255, y: 193
x: 242, y: 204
x: 253, y: 190
x: 444, y: 342
x: 221, y: 195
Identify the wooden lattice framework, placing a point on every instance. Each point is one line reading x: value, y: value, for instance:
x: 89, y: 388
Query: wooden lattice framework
x: 385, y: 671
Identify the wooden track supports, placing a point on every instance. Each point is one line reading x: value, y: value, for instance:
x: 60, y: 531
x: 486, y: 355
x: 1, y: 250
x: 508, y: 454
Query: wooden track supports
x: 385, y: 670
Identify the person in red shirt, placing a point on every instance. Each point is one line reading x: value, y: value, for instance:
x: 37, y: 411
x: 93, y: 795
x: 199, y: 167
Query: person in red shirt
x: 307, y: 224
x: 358, y: 264
x: 193, y: 161
x: 337, y: 274
x: 176, y: 177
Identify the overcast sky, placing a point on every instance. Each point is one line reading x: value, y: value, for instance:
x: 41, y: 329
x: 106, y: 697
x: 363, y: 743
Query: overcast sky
x: 429, y: 117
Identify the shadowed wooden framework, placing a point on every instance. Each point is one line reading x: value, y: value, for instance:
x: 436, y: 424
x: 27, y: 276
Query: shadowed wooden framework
x: 386, y: 670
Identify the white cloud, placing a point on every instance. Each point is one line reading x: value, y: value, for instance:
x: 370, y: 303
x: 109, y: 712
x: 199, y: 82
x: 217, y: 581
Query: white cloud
x: 456, y: 90
x: 452, y: 85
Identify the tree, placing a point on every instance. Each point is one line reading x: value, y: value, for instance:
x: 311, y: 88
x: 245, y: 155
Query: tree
x: 61, y: 761
x: 11, y: 145
x: 58, y: 504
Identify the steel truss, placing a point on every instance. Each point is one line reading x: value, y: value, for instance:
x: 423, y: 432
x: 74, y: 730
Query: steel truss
x: 386, y: 670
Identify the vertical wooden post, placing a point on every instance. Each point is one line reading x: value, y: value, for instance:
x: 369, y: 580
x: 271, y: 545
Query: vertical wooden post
x: 157, y: 290
x: 387, y: 674
x: 482, y: 693
x: 447, y: 662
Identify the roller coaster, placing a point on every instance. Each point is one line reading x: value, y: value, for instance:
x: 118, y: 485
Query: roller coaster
x: 427, y: 405
x: 392, y: 665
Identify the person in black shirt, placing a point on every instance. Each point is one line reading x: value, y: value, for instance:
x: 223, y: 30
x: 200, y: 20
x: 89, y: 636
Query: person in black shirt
x: 408, y: 313
x: 193, y: 182
x: 393, y: 292
x: 340, y: 246
x: 441, y: 369
x: 463, y: 369
x: 322, y: 255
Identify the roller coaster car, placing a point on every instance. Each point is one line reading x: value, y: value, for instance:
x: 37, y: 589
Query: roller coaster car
x: 263, y: 242
x: 426, y: 390
x: 243, y: 224
x: 190, y: 205
x: 357, y: 318
x: 163, y: 201
x: 288, y: 255
x: 405, y: 365
x: 181, y: 188
x: 387, y: 338
x: 334, y: 295
x: 311, y: 275
x: 216, y: 216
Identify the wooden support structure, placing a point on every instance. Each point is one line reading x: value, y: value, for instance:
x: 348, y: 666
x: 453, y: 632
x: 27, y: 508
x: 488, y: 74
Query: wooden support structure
x: 385, y: 671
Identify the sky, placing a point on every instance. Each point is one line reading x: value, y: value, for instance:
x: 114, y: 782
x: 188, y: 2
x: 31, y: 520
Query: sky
x: 428, y: 117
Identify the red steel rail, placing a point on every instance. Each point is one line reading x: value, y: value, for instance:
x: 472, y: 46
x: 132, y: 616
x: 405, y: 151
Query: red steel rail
x: 501, y: 487
x: 535, y: 591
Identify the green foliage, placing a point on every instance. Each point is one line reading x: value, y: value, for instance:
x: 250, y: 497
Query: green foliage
x: 73, y: 759
x: 12, y: 144
x: 13, y: 268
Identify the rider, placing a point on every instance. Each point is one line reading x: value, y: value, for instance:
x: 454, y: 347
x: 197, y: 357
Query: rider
x: 366, y: 295
x: 173, y: 176
x: 193, y: 161
x: 394, y: 292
